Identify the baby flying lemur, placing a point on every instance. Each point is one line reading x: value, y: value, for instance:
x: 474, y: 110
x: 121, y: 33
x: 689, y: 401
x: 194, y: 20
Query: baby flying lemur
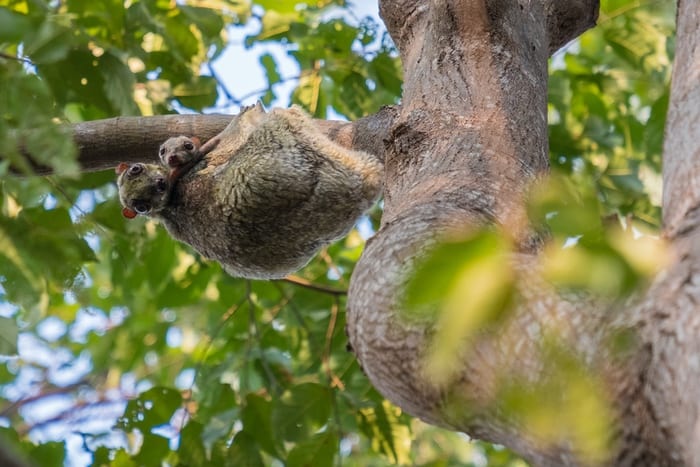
x: 271, y: 193
x: 180, y: 153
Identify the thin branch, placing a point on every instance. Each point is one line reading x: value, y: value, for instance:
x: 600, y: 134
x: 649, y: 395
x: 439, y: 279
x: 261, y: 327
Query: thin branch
x: 221, y: 84
x: 12, y: 408
x: 301, y: 282
x: 260, y: 91
x: 19, y: 59
x: 292, y: 306
x: 69, y: 415
x: 328, y: 259
x: 325, y: 359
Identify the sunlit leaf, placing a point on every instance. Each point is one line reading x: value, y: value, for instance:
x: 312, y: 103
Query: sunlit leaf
x: 387, y: 434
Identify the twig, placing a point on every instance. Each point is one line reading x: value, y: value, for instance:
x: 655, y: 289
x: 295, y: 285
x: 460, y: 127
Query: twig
x: 12, y: 57
x: 323, y: 254
x: 325, y: 359
x: 56, y: 391
x: 301, y: 282
x: 69, y: 415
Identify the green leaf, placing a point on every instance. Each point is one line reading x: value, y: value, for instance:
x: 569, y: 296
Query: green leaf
x: 50, y: 43
x: 566, y: 210
x: 279, y: 6
x: 198, y: 94
x: 180, y: 38
x: 387, y: 434
x: 270, y: 65
x: 244, y: 451
x: 319, y: 451
x: 435, y: 275
x: 654, y: 134
x: 257, y: 420
x: 118, y: 84
x: 39, y: 244
x: 8, y: 336
x: 49, y: 454
x: 153, y: 451
x: 386, y: 71
x: 207, y: 20
x: 191, y: 450
x: 152, y: 408
x: 13, y: 25
x: 301, y: 410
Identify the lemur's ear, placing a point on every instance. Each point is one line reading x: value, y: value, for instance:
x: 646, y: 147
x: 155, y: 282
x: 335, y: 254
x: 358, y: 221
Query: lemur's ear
x: 121, y: 167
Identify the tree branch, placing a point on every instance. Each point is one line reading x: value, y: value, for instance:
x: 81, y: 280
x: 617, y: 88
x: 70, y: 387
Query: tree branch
x: 471, y: 133
x: 102, y: 144
x: 681, y: 172
x: 568, y: 20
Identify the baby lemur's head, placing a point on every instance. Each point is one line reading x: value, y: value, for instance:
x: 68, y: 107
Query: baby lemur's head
x: 143, y: 188
x: 179, y: 150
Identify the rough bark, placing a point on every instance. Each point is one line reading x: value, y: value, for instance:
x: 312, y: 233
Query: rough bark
x: 469, y: 139
x: 665, y: 379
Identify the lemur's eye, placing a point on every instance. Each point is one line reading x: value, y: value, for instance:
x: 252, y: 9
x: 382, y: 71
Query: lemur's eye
x: 189, y: 146
x: 162, y: 150
x: 135, y: 169
x: 161, y: 185
x: 141, y: 206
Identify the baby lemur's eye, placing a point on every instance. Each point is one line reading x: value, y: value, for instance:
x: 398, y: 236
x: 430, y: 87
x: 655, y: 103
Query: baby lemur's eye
x: 141, y: 206
x: 162, y: 150
x: 161, y: 184
x: 135, y: 169
x: 189, y: 146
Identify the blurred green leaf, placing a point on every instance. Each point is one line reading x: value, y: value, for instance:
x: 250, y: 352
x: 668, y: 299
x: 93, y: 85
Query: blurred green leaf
x: 13, y: 25
x: 8, y: 336
x: 244, y: 451
x: 191, y: 450
x: 566, y: 403
x: 51, y: 454
x: 49, y: 43
x: 198, y: 94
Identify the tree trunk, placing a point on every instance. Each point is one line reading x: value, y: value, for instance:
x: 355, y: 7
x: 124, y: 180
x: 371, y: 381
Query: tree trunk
x: 470, y: 137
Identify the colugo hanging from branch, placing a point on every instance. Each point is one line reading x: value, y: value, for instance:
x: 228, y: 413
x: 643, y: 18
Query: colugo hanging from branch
x: 283, y: 191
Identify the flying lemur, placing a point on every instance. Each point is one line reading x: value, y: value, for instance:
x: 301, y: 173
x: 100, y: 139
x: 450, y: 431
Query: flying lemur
x: 262, y: 198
